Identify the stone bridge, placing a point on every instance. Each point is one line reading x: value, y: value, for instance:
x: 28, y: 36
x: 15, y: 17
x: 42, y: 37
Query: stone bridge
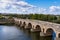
x: 47, y: 28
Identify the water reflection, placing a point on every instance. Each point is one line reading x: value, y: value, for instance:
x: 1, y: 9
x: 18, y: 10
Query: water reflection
x: 14, y: 33
x: 8, y: 32
x: 36, y: 36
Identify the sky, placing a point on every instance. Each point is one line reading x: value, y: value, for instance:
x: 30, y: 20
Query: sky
x: 30, y: 6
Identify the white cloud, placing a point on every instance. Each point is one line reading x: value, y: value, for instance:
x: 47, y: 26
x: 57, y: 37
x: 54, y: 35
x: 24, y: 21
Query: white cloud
x: 15, y: 6
x: 22, y: 3
x: 25, y: 4
x: 8, y: 1
x: 54, y: 8
x: 42, y: 10
x: 20, y: 6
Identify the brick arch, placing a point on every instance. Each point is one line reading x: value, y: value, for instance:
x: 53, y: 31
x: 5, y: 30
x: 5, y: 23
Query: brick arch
x: 59, y: 35
x: 29, y: 26
x: 38, y: 28
x: 17, y: 23
x: 20, y: 23
x: 24, y: 24
x: 50, y: 32
x: 43, y: 30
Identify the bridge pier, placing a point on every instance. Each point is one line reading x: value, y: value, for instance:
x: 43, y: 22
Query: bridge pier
x: 27, y: 28
x: 34, y: 30
x: 57, y: 34
x: 42, y: 34
x: 21, y: 26
x: 16, y: 24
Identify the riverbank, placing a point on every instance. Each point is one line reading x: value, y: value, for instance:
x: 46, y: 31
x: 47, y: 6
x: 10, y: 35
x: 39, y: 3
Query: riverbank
x: 7, y: 24
x: 6, y: 21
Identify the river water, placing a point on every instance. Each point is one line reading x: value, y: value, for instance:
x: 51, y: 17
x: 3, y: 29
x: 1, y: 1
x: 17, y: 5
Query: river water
x: 14, y: 33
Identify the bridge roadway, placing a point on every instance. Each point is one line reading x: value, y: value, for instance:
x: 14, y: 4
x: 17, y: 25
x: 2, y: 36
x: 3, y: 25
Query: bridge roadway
x: 36, y: 25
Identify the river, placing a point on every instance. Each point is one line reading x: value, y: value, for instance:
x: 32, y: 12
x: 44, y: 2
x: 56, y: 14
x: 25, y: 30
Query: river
x: 14, y: 33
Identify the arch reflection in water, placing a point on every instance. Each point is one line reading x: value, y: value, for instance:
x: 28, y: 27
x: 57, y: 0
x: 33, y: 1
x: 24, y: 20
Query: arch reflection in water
x: 36, y: 36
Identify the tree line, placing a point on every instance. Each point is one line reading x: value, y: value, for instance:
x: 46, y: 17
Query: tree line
x: 43, y: 17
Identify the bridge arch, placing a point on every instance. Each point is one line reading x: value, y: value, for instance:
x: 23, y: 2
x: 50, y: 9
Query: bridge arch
x: 29, y: 26
x: 59, y: 35
x: 50, y: 32
x: 20, y: 23
x: 24, y: 24
x: 43, y: 30
x: 38, y: 28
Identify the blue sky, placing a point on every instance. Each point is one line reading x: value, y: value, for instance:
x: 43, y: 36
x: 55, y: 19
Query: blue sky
x: 30, y: 6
